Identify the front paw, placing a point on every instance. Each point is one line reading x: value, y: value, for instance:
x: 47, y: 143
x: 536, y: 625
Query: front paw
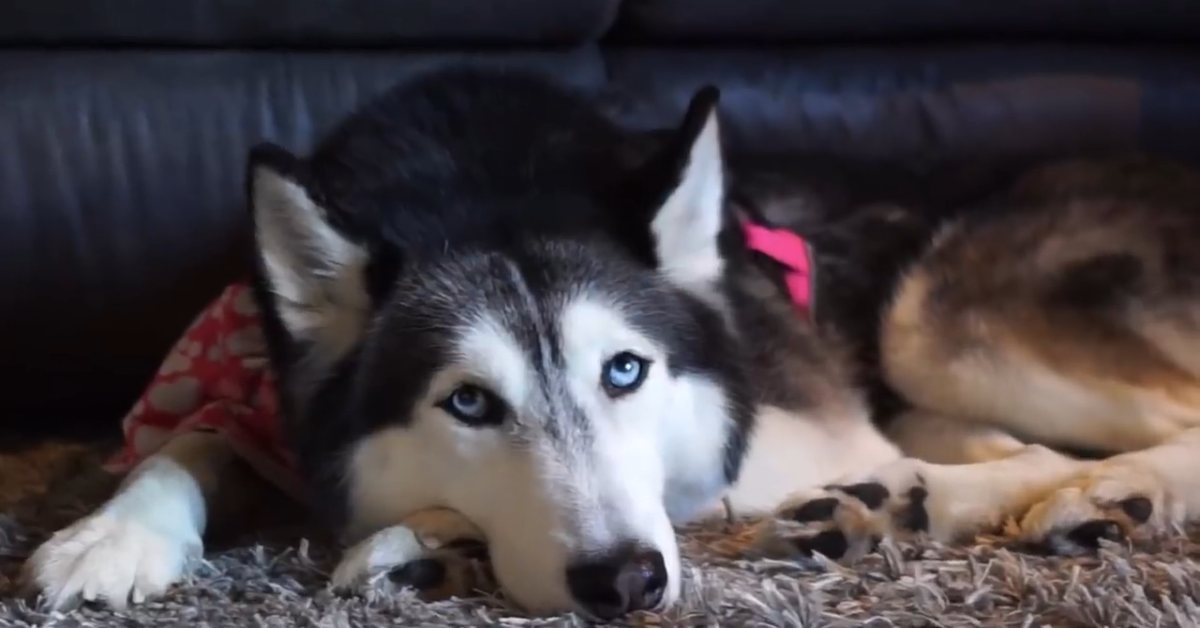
x: 437, y: 553
x: 847, y: 521
x: 108, y: 558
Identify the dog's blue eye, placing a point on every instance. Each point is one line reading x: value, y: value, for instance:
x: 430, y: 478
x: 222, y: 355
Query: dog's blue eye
x: 474, y: 405
x: 469, y: 401
x: 624, y: 373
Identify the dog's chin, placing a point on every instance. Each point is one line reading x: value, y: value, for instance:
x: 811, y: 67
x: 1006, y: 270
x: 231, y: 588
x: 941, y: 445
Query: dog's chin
x: 528, y: 590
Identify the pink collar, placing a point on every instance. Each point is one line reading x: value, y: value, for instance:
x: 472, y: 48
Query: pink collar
x: 792, y: 252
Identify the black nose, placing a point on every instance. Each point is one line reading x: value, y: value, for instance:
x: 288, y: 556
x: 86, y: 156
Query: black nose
x: 629, y: 580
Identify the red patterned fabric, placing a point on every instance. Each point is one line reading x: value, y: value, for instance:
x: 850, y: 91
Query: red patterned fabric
x: 216, y: 378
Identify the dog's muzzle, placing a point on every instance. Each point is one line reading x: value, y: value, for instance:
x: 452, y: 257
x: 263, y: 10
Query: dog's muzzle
x: 631, y: 579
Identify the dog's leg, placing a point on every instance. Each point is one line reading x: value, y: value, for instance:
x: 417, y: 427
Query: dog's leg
x: 958, y: 479
x: 139, y: 542
x: 909, y: 498
x: 965, y: 477
x: 1156, y: 488
x: 437, y: 552
x: 935, y: 438
x: 1046, y: 499
x: 1081, y: 340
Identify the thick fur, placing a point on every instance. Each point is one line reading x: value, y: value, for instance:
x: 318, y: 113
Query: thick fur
x: 491, y: 229
x: 1058, y: 308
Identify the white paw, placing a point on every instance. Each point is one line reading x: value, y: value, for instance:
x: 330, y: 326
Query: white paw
x: 437, y: 553
x: 110, y: 559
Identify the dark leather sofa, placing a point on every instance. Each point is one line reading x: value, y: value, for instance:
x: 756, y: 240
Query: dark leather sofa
x: 124, y: 124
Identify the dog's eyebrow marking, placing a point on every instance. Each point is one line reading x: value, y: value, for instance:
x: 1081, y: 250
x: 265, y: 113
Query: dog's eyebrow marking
x: 584, y: 315
x: 489, y: 350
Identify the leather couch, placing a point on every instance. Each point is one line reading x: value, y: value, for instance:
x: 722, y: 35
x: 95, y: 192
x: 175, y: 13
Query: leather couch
x: 124, y: 124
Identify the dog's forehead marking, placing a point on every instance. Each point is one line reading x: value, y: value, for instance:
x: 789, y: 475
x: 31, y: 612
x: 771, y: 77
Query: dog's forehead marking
x: 534, y: 319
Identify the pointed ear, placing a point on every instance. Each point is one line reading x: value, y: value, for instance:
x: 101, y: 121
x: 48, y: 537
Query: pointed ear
x: 690, y: 216
x: 314, y: 272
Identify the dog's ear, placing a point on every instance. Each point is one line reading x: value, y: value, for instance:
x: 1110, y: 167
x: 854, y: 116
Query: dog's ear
x: 689, y: 174
x: 314, y: 271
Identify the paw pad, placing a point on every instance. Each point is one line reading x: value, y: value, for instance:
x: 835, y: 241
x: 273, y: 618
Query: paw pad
x: 1089, y: 535
x: 914, y: 516
x: 816, y: 510
x: 1138, y: 509
x: 422, y: 574
x: 871, y: 494
x: 830, y: 543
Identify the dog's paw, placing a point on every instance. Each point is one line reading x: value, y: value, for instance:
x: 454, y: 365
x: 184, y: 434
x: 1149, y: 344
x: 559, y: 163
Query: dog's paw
x: 437, y: 553
x: 1107, y: 503
x: 108, y: 558
x: 846, y: 521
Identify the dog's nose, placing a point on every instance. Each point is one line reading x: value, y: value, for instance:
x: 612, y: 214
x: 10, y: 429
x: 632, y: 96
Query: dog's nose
x: 630, y: 580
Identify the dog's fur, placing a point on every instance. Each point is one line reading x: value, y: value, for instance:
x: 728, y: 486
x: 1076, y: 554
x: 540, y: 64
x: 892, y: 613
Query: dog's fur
x: 492, y: 229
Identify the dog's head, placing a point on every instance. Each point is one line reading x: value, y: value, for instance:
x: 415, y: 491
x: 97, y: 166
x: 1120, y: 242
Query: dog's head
x: 477, y: 305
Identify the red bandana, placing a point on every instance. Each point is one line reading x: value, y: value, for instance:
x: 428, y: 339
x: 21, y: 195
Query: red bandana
x: 216, y: 378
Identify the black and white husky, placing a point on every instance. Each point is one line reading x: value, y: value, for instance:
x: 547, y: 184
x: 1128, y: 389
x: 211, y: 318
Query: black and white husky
x: 496, y: 316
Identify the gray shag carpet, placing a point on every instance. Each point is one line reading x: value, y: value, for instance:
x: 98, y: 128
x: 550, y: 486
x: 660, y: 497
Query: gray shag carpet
x: 279, y: 579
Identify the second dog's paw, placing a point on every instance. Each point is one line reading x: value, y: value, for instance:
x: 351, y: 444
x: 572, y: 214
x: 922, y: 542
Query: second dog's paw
x: 108, y: 558
x: 846, y: 521
x: 834, y: 525
x: 1109, y: 504
x: 437, y: 553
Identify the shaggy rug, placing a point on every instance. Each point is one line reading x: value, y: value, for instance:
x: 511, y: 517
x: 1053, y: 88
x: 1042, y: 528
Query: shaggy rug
x: 279, y: 580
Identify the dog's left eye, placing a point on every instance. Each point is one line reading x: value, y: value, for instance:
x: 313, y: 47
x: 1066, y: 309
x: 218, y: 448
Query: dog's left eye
x: 623, y: 373
x: 474, y: 406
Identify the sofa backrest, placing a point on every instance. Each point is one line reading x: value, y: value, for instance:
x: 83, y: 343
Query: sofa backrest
x: 121, y: 165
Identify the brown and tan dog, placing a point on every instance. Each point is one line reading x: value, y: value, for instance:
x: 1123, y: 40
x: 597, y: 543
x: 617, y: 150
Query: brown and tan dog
x: 1060, y: 313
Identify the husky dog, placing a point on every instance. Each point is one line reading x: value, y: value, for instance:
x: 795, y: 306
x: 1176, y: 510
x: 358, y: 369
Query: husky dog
x: 497, y: 317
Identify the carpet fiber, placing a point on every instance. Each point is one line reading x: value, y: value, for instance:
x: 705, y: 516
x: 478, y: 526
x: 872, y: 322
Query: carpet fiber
x: 279, y: 580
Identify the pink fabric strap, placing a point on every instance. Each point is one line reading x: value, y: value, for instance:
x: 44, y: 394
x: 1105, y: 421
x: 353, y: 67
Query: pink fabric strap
x: 788, y: 249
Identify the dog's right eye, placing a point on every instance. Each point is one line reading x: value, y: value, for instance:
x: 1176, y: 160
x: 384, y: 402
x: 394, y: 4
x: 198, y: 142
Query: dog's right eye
x: 474, y: 406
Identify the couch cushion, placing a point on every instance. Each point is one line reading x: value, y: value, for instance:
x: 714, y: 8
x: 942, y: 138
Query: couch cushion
x: 303, y: 23
x: 926, y: 103
x: 760, y: 20
x: 122, y: 200
x: 121, y: 172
